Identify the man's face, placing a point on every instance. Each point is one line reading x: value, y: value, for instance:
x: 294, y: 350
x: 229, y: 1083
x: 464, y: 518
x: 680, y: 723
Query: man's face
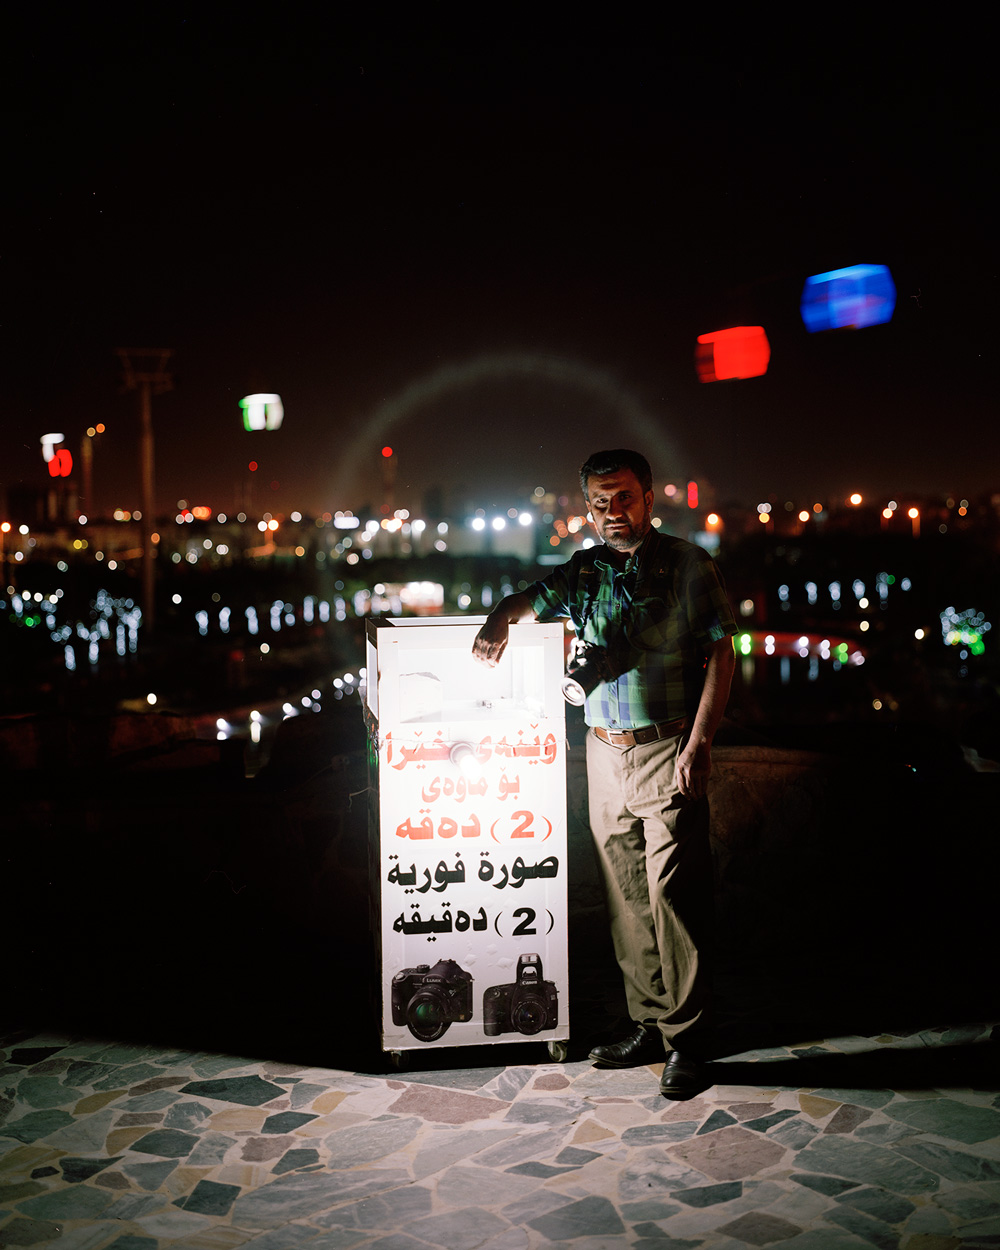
x: 621, y: 513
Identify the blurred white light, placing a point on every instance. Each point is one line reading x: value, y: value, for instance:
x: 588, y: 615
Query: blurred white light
x: 499, y: 523
x: 525, y: 518
x: 151, y: 698
x: 478, y: 523
x: 464, y: 755
x: 48, y: 442
x: 175, y: 599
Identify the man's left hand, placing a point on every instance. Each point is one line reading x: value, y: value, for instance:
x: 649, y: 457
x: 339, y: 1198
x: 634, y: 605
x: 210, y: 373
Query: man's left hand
x: 694, y: 764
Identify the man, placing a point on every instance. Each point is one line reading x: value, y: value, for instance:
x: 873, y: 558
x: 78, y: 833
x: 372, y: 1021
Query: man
x: 658, y: 608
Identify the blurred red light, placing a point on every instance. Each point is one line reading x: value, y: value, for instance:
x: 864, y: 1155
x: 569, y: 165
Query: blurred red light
x: 61, y: 464
x: 387, y: 452
x: 692, y: 494
x: 740, y: 352
x: 252, y: 466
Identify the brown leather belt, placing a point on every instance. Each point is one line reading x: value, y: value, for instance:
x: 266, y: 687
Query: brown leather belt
x: 646, y: 733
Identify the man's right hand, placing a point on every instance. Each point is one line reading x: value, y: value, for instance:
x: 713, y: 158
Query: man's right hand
x: 491, y: 641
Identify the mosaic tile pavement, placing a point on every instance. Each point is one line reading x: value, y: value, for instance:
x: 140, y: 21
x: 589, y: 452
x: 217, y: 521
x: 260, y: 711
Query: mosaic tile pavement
x: 854, y: 1142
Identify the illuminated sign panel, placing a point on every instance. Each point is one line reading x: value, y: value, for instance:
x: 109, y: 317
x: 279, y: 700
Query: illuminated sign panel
x: 740, y: 352
x: 471, y: 834
x: 49, y: 442
x: 262, y: 412
x: 61, y: 464
x: 59, y: 459
x: 851, y: 298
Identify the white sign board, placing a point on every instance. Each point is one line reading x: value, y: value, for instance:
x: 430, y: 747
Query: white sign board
x: 472, y: 838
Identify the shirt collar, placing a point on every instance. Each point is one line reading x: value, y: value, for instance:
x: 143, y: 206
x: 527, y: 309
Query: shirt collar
x: 634, y: 560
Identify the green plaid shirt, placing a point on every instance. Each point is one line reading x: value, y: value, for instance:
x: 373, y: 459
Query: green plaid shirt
x: 656, y: 618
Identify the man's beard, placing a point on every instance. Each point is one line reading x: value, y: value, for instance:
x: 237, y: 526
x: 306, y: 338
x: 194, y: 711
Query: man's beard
x: 627, y: 537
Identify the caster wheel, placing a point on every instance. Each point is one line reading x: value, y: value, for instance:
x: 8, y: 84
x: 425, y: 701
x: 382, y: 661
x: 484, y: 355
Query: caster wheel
x: 558, y: 1051
x: 398, y: 1060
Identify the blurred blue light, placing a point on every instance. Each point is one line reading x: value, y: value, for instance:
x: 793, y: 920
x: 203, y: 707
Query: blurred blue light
x: 855, y: 297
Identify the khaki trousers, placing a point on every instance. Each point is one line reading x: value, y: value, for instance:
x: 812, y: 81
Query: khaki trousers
x: 656, y: 859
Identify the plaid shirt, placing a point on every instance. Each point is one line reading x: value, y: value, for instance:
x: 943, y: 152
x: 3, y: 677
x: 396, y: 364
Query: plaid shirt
x: 656, y: 618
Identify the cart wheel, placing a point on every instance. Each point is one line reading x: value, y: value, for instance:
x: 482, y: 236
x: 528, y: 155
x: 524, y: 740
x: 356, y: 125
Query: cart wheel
x: 558, y: 1051
x: 397, y: 1058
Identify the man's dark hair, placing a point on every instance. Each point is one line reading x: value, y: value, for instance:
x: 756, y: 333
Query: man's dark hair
x: 604, y: 462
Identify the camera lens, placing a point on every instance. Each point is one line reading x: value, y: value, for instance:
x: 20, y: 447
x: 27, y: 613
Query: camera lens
x: 573, y: 692
x: 529, y: 1014
x: 427, y: 1015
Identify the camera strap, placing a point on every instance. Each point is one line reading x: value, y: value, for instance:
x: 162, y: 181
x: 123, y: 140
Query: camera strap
x: 649, y: 563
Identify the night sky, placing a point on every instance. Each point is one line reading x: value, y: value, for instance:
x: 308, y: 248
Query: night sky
x: 493, y: 248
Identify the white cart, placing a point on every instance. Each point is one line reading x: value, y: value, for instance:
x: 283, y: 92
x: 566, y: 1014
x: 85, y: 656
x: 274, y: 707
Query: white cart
x: 468, y: 835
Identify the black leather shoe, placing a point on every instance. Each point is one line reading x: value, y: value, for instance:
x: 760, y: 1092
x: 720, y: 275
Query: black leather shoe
x: 643, y: 1046
x: 683, y: 1078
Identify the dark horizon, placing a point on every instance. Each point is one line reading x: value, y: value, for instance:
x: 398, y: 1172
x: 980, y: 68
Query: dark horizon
x: 494, y: 257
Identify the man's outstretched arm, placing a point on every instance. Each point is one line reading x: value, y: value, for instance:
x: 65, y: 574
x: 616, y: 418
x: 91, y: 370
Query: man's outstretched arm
x: 491, y: 640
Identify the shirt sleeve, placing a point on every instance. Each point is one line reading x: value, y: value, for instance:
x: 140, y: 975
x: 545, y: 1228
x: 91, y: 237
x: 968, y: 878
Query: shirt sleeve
x: 710, y: 613
x: 552, y: 597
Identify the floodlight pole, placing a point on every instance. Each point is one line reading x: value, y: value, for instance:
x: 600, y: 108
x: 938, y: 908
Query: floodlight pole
x: 148, y: 371
x: 87, y: 461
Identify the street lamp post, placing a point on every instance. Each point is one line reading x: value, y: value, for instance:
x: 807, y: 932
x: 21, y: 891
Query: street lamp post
x: 4, y: 531
x: 148, y: 371
x: 87, y: 462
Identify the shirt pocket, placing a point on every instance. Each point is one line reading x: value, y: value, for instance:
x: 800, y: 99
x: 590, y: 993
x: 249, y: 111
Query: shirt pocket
x: 658, y: 623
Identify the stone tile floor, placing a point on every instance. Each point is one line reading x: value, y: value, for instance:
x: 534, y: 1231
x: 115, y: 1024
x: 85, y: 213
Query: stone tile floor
x: 847, y: 1142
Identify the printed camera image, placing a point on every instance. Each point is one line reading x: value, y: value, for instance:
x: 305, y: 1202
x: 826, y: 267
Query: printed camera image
x: 527, y: 1006
x: 427, y: 999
